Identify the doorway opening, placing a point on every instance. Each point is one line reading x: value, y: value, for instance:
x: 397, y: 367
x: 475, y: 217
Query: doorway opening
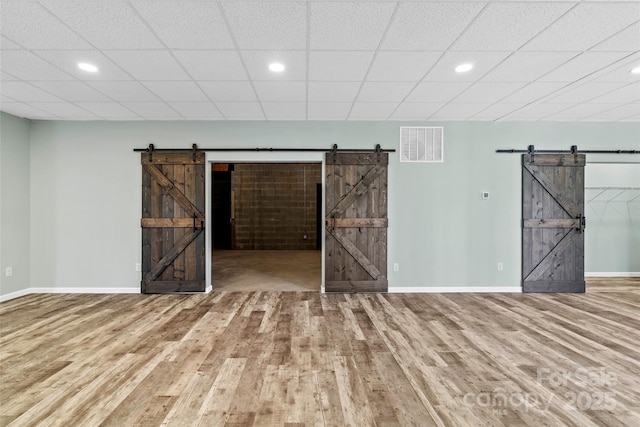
x: 266, y: 226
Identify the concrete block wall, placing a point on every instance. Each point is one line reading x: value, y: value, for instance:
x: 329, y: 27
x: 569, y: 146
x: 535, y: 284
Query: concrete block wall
x: 275, y: 205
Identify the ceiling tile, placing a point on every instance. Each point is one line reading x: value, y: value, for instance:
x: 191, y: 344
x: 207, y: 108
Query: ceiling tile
x: 580, y: 111
x: 488, y: 91
x: 401, y: 66
x: 384, y: 91
x: 108, y: 110
x: 372, y: 110
x: 534, y: 91
x: 507, y: 26
x: 284, y: 110
x: 482, y: 62
x: 149, y: 64
x: 527, y: 66
x: 176, y: 91
x: 622, y: 73
x: 333, y: 91
x: 27, y: 66
x: 197, y: 110
x: 68, y: 62
x: 584, y: 92
x: 186, y: 25
x: 4, y: 99
x: 499, y: 110
x: 257, y: 63
x: 584, y: 26
x: 211, y: 64
x: 537, y: 111
x: 152, y: 110
x: 415, y: 110
x: 281, y: 91
x: 581, y: 66
x: 268, y: 25
x: 34, y: 27
x: 428, y: 26
x: 6, y: 44
x: 72, y: 91
x: 437, y: 92
x: 241, y: 110
x: 627, y: 40
x: 105, y: 24
x: 20, y: 109
x: 124, y: 91
x: 229, y: 91
x: 6, y: 77
x: 64, y: 109
x: 628, y: 93
x: 619, y: 113
x: 26, y: 93
x: 460, y: 110
x: 349, y: 25
x: 338, y: 66
x: 329, y: 110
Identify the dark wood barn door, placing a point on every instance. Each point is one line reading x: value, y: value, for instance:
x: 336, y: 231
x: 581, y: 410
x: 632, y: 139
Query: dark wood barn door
x: 173, y: 241
x: 356, y: 222
x: 553, y: 223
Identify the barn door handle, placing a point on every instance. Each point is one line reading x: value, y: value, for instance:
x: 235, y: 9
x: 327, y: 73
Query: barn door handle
x: 194, y: 223
x: 582, y: 223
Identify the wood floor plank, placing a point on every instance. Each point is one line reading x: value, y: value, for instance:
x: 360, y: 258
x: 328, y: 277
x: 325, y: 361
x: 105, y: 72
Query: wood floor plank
x: 308, y: 359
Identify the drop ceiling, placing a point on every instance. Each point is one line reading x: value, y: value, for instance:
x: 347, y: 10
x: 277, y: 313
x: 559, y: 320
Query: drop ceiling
x: 368, y: 60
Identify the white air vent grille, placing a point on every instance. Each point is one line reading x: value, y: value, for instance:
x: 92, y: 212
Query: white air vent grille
x: 421, y: 144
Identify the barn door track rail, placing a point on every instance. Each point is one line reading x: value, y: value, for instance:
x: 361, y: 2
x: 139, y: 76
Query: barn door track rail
x: 574, y: 150
x: 195, y: 148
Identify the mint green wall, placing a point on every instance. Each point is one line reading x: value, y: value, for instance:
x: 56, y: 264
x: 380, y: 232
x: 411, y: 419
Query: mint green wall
x: 14, y: 203
x: 85, y: 192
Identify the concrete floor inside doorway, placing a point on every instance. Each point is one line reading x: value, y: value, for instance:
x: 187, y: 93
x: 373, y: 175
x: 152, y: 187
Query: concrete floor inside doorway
x: 281, y: 270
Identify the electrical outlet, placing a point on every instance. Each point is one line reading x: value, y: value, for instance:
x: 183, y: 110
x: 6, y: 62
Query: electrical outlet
x: 485, y: 195
x: 138, y: 266
x: 8, y: 271
x: 500, y: 266
x: 396, y: 266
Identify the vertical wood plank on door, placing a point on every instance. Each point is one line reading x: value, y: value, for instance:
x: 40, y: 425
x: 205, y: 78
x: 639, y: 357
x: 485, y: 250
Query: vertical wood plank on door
x: 158, y: 247
x: 190, y: 252
x: 147, y: 233
x: 350, y: 180
x: 168, y: 205
x: 179, y: 181
x: 199, y: 196
x: 361, y: 209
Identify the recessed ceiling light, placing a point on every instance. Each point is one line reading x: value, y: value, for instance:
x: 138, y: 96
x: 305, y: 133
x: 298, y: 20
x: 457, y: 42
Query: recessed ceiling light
x: 87, y: 67
x: 276, y: 67
x: 463, y: 68
x: 636, y: 70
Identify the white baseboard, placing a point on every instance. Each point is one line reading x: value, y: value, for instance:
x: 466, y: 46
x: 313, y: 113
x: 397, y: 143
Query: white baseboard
x: 613, y: 274
x: 455, y: 289
x: 96, y: 290
x: 46, y: 290
x: 16, y: 294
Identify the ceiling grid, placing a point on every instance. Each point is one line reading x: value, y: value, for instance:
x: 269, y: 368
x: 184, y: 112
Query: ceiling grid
x: 562, y: 60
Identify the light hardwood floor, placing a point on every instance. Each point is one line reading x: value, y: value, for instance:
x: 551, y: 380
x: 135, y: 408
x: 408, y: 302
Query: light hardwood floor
x: 303, y: 358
